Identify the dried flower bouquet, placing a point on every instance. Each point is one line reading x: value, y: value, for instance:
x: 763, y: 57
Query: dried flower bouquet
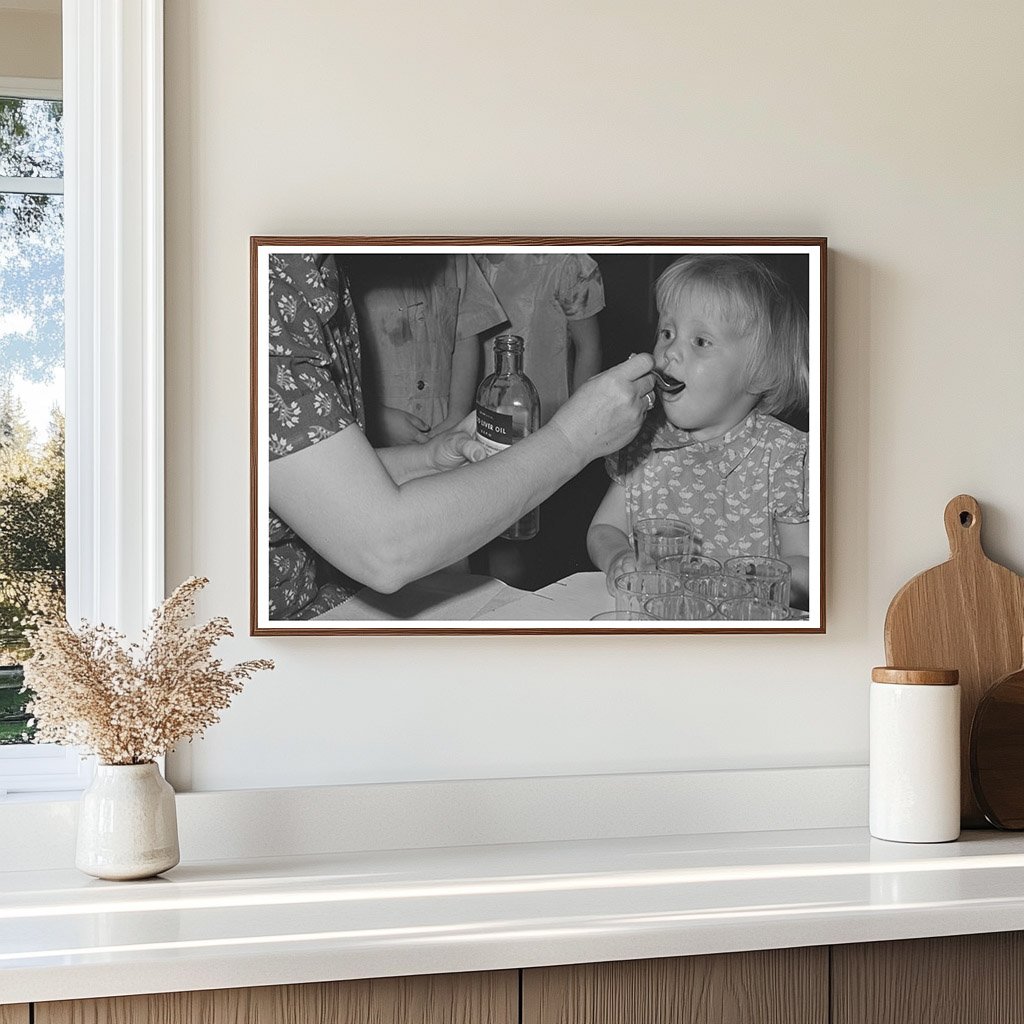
x: 130, y: 703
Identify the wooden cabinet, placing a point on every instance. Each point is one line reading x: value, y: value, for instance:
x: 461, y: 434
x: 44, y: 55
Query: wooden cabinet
x: 963, y: 979
x: 777, y: 986
x: 969, y: 979
x: 966, y: 979
x: 482, y: 998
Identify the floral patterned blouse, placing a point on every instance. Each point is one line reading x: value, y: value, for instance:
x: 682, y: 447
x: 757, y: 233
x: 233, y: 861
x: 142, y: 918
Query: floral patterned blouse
x: 315, y: 392
x: 732, y: 489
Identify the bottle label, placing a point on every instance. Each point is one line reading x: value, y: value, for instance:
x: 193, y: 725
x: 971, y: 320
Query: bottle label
x: 494, y: 429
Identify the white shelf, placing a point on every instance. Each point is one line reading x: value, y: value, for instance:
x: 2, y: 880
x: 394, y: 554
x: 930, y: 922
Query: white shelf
x: 293, y: 919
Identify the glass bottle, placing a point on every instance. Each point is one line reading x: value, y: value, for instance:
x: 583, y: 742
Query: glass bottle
x: 507, y: 410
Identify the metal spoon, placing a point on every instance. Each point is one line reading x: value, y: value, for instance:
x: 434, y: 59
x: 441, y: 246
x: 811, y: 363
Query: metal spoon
x: 669, y: 385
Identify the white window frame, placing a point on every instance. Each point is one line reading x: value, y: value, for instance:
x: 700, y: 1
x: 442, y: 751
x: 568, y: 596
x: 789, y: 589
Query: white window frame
x: 114, y: 336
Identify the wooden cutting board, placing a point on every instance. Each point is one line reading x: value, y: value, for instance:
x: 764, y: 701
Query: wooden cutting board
x: 967, y: 614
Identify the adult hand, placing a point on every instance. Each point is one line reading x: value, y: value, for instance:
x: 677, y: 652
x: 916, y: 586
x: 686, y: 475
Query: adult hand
x: 389, y: 427
x: 457, y: 446
x: 608, y: 410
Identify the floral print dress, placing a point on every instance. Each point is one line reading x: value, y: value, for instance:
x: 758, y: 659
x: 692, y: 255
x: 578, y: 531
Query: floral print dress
x: 734, y: 490
x: 314, y: 393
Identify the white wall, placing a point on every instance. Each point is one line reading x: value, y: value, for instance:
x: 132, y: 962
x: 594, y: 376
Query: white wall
x: 894, y: 129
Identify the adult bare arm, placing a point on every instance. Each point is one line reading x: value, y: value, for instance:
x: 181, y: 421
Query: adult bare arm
x: 338, y: 496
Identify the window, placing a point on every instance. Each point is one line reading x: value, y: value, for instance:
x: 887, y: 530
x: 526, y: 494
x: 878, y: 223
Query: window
x: 113, y: 336
x: 32, y: 535
x: 31, y: 380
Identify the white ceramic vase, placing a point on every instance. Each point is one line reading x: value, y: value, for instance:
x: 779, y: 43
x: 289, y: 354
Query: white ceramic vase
x: 127, y: 825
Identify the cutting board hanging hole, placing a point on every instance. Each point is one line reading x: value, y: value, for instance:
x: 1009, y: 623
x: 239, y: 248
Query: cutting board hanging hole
x: 963, y: 526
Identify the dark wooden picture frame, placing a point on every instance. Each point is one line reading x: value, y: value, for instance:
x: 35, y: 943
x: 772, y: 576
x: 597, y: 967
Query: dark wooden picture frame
x: 628, y: 269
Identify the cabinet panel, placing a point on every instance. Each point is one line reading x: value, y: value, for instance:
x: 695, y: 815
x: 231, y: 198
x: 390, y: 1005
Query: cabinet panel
x: 14, y: 1014
x: 962, y: 979
x: 481, y: 998
x: 778, y: 986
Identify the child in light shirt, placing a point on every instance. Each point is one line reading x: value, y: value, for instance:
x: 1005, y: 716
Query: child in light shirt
x: 421, y: 319
x: 552, y: 301
x: 716, y: 455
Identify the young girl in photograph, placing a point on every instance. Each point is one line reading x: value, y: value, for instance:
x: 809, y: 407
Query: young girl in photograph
x: 716, y: 455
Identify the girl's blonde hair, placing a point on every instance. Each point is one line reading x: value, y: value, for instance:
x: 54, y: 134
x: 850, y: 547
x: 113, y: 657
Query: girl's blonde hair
x: 754, y: 301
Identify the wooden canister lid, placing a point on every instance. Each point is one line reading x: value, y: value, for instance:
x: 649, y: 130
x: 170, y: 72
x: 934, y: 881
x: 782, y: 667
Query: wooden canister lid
x: 916, y: 676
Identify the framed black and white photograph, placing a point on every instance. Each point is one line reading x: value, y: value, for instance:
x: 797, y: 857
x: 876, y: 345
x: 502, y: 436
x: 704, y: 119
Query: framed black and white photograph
x: 537, y: 435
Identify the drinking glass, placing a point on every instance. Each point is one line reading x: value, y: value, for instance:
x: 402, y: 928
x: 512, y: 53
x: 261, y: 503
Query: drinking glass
x: 626, y: 616
x: 654, y: 539
x: 632, y: 589
x: 681, y: 608
x: 752, y: 609
x: 770, y: 576
x: 719, y: 588
x: 688, y: 567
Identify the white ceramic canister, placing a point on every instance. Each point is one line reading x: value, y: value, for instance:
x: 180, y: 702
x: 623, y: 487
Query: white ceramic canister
x: 915, y: 755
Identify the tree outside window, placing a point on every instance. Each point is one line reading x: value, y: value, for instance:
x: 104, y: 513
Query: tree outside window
x: 31, y: 385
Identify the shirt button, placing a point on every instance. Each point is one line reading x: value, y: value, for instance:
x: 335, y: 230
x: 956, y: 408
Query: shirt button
x: 420, y: 385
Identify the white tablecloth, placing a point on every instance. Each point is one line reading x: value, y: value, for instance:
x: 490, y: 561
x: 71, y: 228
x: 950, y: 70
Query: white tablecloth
x: 462, y: 597
x: 448, y: 597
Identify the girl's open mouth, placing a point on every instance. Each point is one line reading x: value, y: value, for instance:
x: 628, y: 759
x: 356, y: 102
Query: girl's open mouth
x: 666, y: 382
